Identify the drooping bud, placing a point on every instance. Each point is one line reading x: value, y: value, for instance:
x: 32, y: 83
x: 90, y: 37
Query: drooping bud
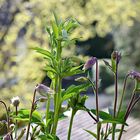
x: 90, y: 63
x: 15, y: 101
x: 136, y: 76
x: 44, y: 90
x: 116, y: 56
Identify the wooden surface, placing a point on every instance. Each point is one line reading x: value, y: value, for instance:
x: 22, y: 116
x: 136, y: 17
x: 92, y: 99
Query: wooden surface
x: 83, y: 121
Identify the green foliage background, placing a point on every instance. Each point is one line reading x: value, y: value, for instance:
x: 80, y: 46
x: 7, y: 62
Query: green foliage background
x: 21, y: 67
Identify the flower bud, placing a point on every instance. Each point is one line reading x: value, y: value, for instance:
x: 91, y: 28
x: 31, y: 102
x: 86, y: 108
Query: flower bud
x: 90, y: 63
x: 15, y: 101
x: 135, y: 75
x: 116, y: 56
x: 44, y: 90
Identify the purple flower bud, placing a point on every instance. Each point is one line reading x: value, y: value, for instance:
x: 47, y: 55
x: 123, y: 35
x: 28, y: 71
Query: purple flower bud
x: 7, y: 137
x: 90, y: 63
x: 134, y: 75
x: 44, y: 90
x: 116, y: 56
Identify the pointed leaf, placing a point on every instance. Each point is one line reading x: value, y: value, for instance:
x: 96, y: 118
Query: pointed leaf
x: 91, y: 133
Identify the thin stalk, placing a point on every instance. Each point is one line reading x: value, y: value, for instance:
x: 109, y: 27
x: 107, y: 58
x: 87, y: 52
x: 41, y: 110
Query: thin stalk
x: 97, y: 104
x: 30, y: 117
x: 126, y: 114
x: 123, y: 92
x: 92, y: 116
x: 94, y: 90
x: 16, y: 127
x: 7, y: 115
x: 135, y: 102
x: 115, y: 101
x: 47, y: 109
x: 106, y: 131
x: 116, y: 91
x: 71, y: 123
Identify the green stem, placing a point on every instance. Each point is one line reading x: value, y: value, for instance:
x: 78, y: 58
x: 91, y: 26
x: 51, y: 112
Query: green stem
x: 57, y: 107
x: 123, y: 92
x: 98, y: 130
x: 105, y: 136
x: 71, y: 123
x: 113, y: 131
x: 30, y: 117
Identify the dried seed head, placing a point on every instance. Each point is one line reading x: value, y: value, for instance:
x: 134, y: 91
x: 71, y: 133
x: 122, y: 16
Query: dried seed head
x: 90, y: 63
x: 44, y: 90
x: 15, y: 101
x: 116, y: 56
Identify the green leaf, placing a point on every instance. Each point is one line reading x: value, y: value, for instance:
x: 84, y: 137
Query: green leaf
x: 55, y: 29
x: 91, y: 133
x: 23, y: 115
x: 137, y: 88
x: 48, y: 137
x: 46, y: 53
x: 107, y: 64
x: 50, y: 69
x: 113, y: 62
x: 67, y: 96
x: 115, y: 121
x: 73, y: 90
x: 103, y: 115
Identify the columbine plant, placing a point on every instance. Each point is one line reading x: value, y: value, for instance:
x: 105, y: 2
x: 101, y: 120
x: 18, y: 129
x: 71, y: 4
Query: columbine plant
x: 117, y: 116
x: 44, y: 125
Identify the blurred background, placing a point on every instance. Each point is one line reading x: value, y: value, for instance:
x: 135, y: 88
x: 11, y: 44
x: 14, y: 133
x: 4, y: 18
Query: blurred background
x: 105, y: 25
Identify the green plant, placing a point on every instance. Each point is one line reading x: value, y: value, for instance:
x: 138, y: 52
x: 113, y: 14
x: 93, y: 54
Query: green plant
x: 45, y: 126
